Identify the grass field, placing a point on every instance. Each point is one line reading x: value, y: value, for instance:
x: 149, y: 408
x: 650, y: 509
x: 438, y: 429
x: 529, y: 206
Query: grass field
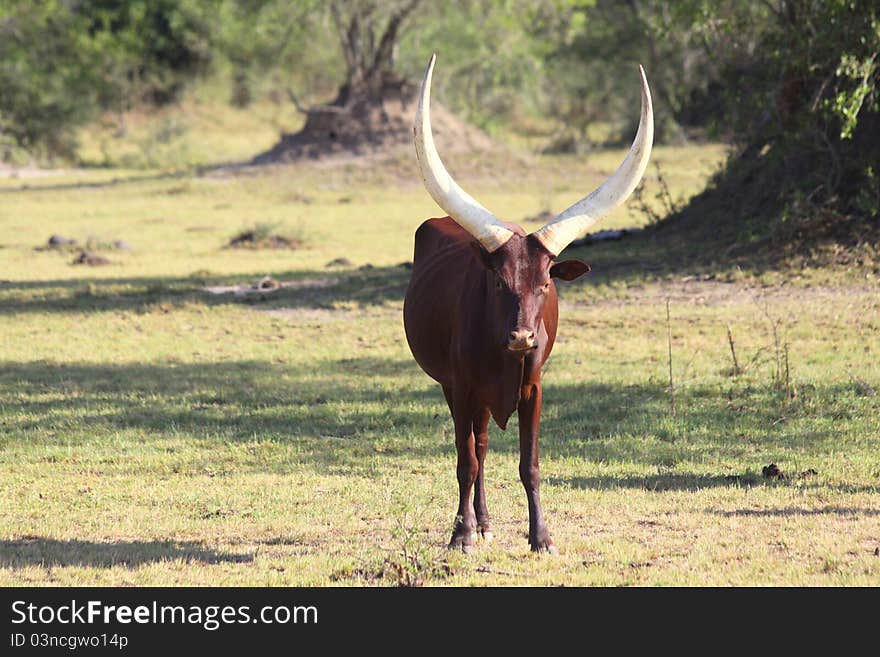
x: 155, y: 430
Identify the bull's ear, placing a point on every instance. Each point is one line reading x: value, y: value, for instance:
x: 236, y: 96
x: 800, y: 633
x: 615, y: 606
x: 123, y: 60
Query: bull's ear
x: 568, y: 270
x: 483, y: 255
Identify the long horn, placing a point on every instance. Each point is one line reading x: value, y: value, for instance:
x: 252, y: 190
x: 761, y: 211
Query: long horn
x: 457, y: 203
x: 566, y: 227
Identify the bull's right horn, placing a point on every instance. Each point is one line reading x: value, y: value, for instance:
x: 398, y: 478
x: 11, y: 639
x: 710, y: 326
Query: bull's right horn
x: 457, y: 203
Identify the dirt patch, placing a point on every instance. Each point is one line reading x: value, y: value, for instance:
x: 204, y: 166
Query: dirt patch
x: 257, y: 239
x: 60, y: 242
x: 800, y: 219
x: 90, y: 259
x: 68, y: 244
x: 245, y: 289
x: 267, y: 283
x: 772, y: 471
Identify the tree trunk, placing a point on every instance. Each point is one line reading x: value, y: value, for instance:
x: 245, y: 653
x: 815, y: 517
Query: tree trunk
x: 371, y: 108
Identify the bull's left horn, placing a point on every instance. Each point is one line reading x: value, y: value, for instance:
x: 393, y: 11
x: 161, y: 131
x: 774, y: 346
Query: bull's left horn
x: 572, y: 223
x: 469, y: 214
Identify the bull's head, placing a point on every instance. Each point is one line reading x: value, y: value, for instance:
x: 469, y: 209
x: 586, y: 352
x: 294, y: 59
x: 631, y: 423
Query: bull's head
x: 520, y: 267
x: 519, y: 277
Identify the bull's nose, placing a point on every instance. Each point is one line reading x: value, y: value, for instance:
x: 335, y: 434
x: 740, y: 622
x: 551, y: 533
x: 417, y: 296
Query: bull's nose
x: 520, y: 340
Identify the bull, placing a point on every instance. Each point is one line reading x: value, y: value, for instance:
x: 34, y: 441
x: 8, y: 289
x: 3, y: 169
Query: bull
x: 481, y: 312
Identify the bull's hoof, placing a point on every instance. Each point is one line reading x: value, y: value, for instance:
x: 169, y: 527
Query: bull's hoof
x: 463, y: 535
x: 462, y: 542
x: 543, y: 544
x: 484, y: 532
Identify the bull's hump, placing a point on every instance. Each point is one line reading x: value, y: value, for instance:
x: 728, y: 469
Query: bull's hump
x: 442, y: 228
x: 448, y: 228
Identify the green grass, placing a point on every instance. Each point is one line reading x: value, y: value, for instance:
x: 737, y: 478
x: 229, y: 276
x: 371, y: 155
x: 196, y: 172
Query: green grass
x: 154, y: 433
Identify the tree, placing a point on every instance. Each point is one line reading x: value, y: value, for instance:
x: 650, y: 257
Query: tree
x: 370, y: 104
x: 49, y: 76
x: 369, y: 54
x: 150, y: 48
x: 492, y: 54
x: 276, y: 42
x: 491, y: 59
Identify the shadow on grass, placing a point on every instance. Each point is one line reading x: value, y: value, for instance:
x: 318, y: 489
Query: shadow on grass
x: 47, y: 185
x: 319, y: 289
x: 797, y: 511
x: 333, y: 411
x: 340, y: 415
x: 657, y: 483
x: 48, y: 552
x: 692, y: 482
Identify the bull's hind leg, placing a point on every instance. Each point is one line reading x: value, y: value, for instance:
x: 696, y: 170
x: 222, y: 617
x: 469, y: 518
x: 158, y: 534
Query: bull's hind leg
x: 468, y: 467
x: 481, y: 439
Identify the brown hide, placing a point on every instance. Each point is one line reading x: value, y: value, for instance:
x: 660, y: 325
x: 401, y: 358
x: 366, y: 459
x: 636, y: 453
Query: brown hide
x: 449, y: 329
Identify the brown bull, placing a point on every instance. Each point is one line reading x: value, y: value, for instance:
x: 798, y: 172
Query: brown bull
x: 481, y: 314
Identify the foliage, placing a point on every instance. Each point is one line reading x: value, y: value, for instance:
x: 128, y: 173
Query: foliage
x: 150, y: 48
x: 61, y: 63
x: 513, y: 61
x: 803, y: 106
x: 49, y: 73
x: 491, y: 58
x: 269, y: 43
x: 491, y: 55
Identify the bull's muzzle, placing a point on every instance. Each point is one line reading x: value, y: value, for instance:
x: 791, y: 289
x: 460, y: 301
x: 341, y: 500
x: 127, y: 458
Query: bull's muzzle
x: 521, y: 340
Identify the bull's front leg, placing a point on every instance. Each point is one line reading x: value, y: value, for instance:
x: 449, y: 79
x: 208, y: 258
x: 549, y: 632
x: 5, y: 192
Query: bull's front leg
x: 529, y: 473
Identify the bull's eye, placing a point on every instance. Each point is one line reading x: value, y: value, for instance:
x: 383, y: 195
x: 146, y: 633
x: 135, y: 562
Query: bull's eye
x: 498, y: 284
x: 546, y: 286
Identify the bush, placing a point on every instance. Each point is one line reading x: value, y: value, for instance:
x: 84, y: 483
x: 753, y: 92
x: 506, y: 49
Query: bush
x: 62, y: 63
